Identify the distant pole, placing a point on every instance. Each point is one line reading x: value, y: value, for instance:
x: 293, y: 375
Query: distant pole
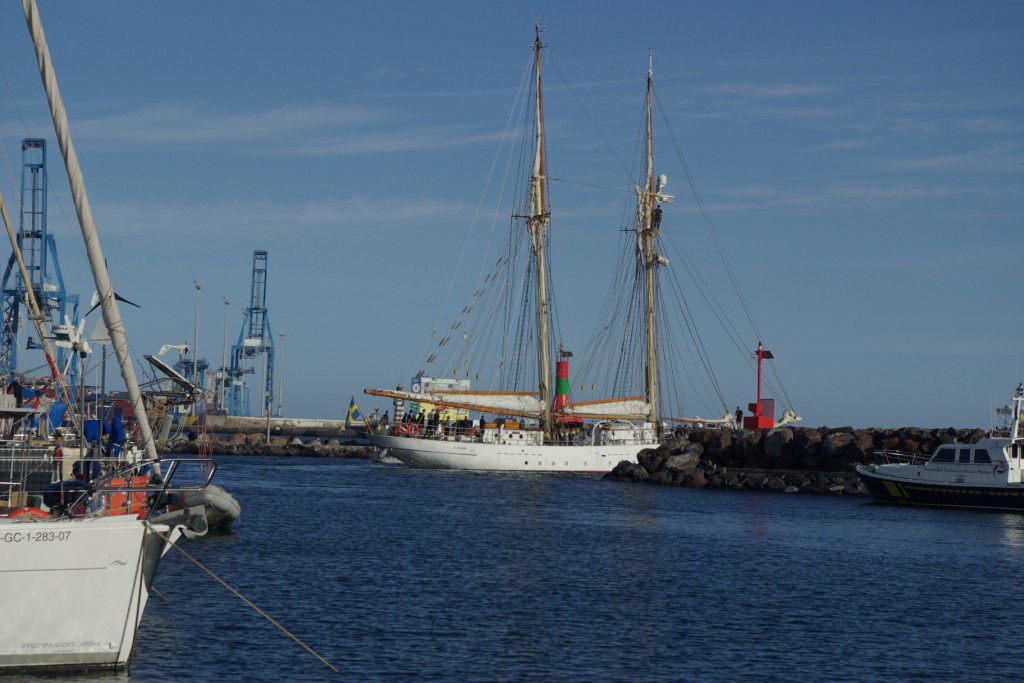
x: 195, y: 350
x: 224, y: 358
x: 81, y: 391
x: 268, y: 397
x: 244, y: 390
x: 280, y: 388
x: 760, y: 357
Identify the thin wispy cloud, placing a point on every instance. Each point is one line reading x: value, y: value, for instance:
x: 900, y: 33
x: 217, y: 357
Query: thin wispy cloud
x: 1005, y: 157
x: 768, y: 91
x: 253, y: 219
x: 183, y: 124
x: 829, y: 195
x: 439, y: 137
x: 847, y: 144
x: 872, y: 193
x: 382, y: 74
x: 316, y: 131
x: 984, y: 125
x: 905, y: 126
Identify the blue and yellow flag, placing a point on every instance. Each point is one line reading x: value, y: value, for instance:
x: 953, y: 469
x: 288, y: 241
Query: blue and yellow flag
x: 354, y: 417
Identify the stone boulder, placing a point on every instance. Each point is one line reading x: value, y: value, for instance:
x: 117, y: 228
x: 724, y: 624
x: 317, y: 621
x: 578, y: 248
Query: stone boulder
x: 684, y: 461
x: 836, y: 441
x: 660, y: 477
x: 777, y: 441
x: 651, y: 459
x: 806, y: 441
x: 627, y: 471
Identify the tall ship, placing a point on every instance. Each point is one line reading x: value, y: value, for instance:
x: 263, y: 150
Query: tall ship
x: 527, y: 420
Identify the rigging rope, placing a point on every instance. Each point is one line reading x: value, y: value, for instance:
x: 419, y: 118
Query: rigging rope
x: 712, y: 232
x: 516, y: 105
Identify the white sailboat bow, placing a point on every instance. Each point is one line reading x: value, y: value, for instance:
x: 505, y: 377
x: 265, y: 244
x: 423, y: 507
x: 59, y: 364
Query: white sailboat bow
x: 74, y: 577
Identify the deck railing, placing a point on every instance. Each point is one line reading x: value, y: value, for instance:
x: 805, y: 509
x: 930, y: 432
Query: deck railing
x: 31, y: 477
x: 891, y: 457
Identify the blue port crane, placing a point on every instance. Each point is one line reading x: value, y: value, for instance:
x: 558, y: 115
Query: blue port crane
x: 255, y: 343
x: 39, y: 251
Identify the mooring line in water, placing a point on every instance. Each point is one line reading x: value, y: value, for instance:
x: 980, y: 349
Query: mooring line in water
x: 251, y: 604
x: 159, y: 595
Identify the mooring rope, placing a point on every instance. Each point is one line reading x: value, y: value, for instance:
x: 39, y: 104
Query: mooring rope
x: 251, y: 604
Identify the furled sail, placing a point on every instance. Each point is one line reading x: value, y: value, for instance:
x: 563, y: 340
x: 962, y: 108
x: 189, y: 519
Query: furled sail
x: 522, y: 404
x: 631, y: 408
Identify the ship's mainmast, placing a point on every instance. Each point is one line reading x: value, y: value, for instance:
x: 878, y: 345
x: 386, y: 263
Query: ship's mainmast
x: 538, y: 222
x: 648, y: 226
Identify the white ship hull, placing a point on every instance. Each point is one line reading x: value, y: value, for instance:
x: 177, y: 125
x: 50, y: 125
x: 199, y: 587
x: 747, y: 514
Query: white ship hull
x: 73, y: 590
x: 496, y: 457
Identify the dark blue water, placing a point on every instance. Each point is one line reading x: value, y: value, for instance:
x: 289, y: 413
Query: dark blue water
x: 400, y: 575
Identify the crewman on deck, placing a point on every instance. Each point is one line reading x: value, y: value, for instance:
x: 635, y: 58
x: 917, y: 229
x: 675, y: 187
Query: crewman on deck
x: 58, y: 453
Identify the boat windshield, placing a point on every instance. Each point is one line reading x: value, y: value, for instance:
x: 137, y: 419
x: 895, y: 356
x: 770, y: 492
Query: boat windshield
x: 944, y: 455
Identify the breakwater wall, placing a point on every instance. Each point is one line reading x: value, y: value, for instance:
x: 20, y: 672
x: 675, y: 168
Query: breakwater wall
x: 787, y: 459
x: 280, y: 446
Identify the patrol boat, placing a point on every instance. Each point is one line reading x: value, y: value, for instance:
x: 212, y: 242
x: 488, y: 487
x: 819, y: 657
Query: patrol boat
x: 988, y: 474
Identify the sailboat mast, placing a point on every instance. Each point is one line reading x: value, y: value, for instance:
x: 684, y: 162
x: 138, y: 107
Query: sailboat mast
x: 111, y: 313
x: 649, y: 236
x: 538, y: 223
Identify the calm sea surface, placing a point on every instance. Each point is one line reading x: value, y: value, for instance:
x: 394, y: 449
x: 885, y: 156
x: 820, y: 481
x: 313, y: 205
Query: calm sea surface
x: 400, y: 575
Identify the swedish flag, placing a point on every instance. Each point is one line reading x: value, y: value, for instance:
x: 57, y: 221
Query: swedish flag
x: 354, y: 417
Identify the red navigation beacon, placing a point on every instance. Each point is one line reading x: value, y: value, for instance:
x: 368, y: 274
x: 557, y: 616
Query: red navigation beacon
x: 763, y: 416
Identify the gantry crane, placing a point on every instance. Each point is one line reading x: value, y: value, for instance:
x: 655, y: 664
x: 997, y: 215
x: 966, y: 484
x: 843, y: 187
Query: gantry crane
x: 39, y: 252
x: 256, y: 340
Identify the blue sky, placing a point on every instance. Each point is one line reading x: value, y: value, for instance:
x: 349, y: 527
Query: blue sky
x: 861, y: 162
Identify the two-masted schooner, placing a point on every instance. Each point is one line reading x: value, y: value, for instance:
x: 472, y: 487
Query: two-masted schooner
x: 541, y: 429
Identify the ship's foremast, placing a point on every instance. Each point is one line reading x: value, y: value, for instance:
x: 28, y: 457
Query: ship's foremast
x: 649, y: 237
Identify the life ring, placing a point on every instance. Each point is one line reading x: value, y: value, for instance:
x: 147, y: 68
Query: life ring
x: 416, y: 388
x: 408, y: 429
x: 30, y: 512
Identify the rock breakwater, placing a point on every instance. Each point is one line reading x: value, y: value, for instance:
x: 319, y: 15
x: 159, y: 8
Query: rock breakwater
x: 788, y: 459
x: 280, y: 446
